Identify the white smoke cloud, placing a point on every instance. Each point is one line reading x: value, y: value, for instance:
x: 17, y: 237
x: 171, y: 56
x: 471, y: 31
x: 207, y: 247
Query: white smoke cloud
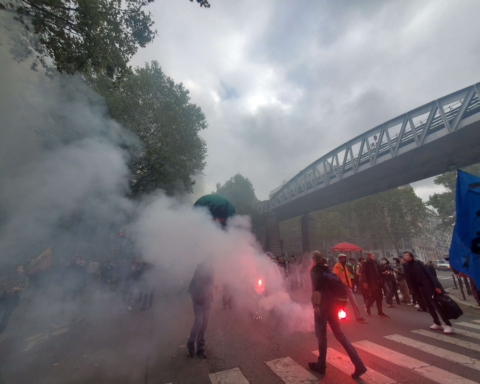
x: 64, y: 182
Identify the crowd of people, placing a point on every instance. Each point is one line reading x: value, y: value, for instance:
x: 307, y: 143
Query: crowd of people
x: 130, y: 278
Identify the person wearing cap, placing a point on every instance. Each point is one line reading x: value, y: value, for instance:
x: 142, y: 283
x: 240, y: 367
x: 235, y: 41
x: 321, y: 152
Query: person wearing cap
x: 341, y: 270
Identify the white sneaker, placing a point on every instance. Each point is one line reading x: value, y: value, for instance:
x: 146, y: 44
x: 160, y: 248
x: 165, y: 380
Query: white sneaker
x: 417, y: 306
x: 129, y: 308
x: 447, y: 329
x: 436, y: 327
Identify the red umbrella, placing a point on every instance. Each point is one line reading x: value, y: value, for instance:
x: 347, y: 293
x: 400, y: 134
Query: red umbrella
x: 346, y: 247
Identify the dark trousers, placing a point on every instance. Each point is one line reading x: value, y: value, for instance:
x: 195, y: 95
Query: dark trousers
x: 356, y: 283
x: 202, y: 311
x: 330, y: 316
x: 389, y: 291
x: 375, y: 296
x: 395, y: 291
x: 432, y: 307
x: 7, y: 307
x: 147, y: 297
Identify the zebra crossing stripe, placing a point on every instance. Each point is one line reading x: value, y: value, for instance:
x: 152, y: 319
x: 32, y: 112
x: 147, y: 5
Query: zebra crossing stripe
x: 473, y: 335
x: 463, y: 324
x: 450, y: 339
x: 291, y: 372
x: 476, y: 321
x: 436, y: 351
x: 343, y: 363
x: 428, y: 371
x: 232, y: 376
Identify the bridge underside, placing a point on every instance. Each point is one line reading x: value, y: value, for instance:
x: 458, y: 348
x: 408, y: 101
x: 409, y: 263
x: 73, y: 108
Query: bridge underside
x: 430, y: 159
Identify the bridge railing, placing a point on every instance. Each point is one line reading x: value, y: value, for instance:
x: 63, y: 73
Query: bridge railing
x: 381, y: 143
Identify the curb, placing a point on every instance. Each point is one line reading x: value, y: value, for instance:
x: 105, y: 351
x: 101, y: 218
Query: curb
x: 461, y: 301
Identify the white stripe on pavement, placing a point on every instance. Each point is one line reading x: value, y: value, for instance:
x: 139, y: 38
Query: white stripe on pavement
x: 443, y: 277
x: 436, y: 351
x: 476, y: 321
x: 475, y: 326
x: 291, y: 372
x: 435, y: 374
x: 450, y: 339
x: 473, y: 335
x: 232, y: 376
x: 343, y: 363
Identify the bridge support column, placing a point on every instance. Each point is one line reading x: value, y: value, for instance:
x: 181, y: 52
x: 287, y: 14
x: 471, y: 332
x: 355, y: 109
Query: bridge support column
x: 272, y: 234
x: 309, y: 233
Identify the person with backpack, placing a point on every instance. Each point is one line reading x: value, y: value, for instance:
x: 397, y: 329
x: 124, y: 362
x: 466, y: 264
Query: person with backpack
x: 341, y: 270
x: 328, y: 296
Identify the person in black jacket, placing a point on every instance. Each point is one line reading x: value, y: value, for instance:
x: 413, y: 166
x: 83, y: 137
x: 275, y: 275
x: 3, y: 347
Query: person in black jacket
x: 372, y: 284
x: 201, y: 290
x: 428, y: 286
x: 326, y: 311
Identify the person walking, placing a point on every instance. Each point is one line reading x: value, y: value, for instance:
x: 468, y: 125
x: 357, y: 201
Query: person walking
x: 325, y: 312
x: 427, y: 285
x: 201, y: 291
x: 10, y: 293
x: 417, y: 299
x: 355, y: 280
x: 372, y: 284
x: 402, y: 283
x: 358, y: 272
x: 388, y: 279
x: 341, y: 270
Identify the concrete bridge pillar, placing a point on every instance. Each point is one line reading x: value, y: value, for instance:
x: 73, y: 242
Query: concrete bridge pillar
x: 309, y: 233
x: 272, y: 234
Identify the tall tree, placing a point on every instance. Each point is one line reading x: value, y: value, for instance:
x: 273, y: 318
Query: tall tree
x: 331, y: 227
x: 392, y: 215
x: 159, y: 112
x: 444, y: 202
x: 81, y: 35
x: 239, y: 190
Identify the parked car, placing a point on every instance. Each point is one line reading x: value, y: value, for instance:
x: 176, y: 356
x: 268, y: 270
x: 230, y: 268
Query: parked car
x: 441, y: 265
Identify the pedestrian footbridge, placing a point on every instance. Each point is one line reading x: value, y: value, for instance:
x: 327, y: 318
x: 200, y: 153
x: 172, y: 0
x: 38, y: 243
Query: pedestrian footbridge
x: 432, y: 139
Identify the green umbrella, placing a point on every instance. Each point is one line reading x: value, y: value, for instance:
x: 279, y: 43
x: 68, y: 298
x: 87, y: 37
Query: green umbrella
x: 220, y: 208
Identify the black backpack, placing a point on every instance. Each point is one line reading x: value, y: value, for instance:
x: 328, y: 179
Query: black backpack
x: 337, y: 289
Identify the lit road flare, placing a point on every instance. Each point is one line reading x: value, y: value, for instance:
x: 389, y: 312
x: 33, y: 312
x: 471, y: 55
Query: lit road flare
x: 341, y: 314
x: 260, y: 287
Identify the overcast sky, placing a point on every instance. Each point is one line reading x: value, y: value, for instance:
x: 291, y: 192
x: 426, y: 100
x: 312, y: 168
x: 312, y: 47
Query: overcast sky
x: 284, y: 82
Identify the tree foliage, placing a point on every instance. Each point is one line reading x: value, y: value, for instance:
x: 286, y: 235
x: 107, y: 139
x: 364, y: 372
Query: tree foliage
x: 444, y: 202
x: 159, y: 112
x: 386, y: 217
x: 239, y: 190
x: 83, y: 35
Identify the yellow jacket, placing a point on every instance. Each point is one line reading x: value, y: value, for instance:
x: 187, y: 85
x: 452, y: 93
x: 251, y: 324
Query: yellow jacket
x: 343, y: 273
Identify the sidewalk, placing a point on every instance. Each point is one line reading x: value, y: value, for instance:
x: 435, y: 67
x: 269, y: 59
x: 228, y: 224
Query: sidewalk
x: 456, y: 294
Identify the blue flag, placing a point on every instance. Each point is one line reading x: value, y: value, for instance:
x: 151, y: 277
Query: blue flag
x: 464, y: 253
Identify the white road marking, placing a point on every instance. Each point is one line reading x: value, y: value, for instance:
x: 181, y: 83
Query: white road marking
x: 476, y: 321
x: 473, y: 335
x: 232, y: 376
x: 450, y: 339
x: 463, y: 324
x: 436, y: 351
x: 426, y: 370
x: 444, y: 277
x: 291, y: 372
x: 343, y: 363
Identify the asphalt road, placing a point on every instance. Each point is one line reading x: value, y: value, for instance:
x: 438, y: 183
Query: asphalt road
x: 108, y: 344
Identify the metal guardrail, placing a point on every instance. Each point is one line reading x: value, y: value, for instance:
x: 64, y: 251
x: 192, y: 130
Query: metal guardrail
x: 386, y: 141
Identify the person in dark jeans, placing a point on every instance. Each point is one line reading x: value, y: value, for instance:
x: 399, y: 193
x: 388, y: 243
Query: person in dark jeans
x: 427, y: 285
x: 372, y: 284
x: 326, y: 312
x: 10, y: 295
x: 201, y: 290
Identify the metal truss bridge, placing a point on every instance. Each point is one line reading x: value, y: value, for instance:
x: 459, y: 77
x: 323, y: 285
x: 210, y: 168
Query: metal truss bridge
x: 432, y: 139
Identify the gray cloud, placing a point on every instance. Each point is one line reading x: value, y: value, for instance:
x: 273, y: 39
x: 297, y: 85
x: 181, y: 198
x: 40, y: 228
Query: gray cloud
x: 283, y: 83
